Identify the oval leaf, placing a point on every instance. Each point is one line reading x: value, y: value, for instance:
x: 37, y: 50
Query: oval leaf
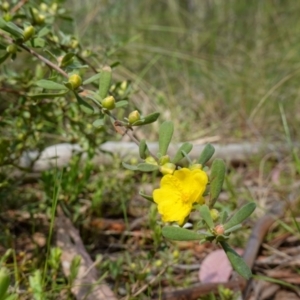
x: 184, y: 148
x: 143, y: 149
x: 243, y: 213
x: 147, y: 120
x: 105, y: 81
x: 67, y: 59
x: 4, y: 57
x: 121, y: 103
x: 129, y: 167
x: 147, y: 167
x: 205, y: 214
x: 166, y: 130
x: 84, y: 106
x: 180, y: 234
x: 47, y: 95
x: 206, y: 154
x: 98, y: 123
x: 236, y: 261
x: 50, y: 85
x: 92, y: 79
x: 147, y: 197
x: 216, y: 180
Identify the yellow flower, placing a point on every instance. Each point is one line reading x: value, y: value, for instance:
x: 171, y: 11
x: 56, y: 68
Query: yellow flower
x: 178, y: 193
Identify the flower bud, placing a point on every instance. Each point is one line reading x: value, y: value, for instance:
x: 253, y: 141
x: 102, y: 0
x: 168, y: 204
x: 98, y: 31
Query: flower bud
x: 151, y: 160
x: 167, y: 168
x: 134, y: 116
x: 195, y: 167
x: 12, y: 48
x: 164, y: 159
x: 214, y: 214
x: 39, y: 19
x: 29, y: 32
x: 5, y: 6
x: 109, y: 103
x: 219, y: 229
x: 4, y: 282
x: 75, y: 81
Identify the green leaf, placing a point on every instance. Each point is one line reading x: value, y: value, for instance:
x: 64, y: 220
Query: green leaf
x: 184, y: 148
x: 105, y: 81
x: 92, y: 79
x: 143, y: 149
x: 99, y: 123
x: 243, y: 213
x: 147, y: 120
x: 217, y: 176
x: 205, y: 214
x: 147, y: 197
x: 47, y: 95
x: 232, y: 229
x: 67, y: 59
x: 206, y: 154
x: 223, y: 217
x: 43, y: 32
x: 38, y: 43
x: 50, y: 85
x: 166, y: 130
x: 11, y: 28
x: 121, y: 103
x: 236, y: 261
x: 84, y: 106
x: 147, y: 167
x: 180, y: 234
x: 4, y: 57
x: 4, y: 282
x: 129, y: 167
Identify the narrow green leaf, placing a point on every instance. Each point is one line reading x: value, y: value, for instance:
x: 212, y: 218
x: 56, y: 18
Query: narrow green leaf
x: 105, y: 81
x: 147, y: 167
x: 67, y: 59
x: 84, y: 106
x: 92, y: 79
x: 184, y: 148
x: 129, y: 167
x: 121, y: 103
x: 205, y: 214
x: 47, y: 95
x: 147, y: 197
x: 147, y: 120
x: 38, y: 43
x: 143, y: 149
x: 180, y: 234
x: 11, y: 28
x: 98, y: 123
x: 51, y: 54
x: 206, y: 154
x: 4, y: 58
x: 236, y: 261
x: 223, y: 217
x: 232, y: 229
x: 166, y: 130
x: 243, y: 213
x: 43, y: 32
x: 50, y: 85
x: 217, y: 177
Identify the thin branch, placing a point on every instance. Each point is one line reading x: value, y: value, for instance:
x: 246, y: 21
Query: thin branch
x: 18, y: 6
x: 45, y: 60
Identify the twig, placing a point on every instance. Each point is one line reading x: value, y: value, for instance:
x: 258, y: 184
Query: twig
x: 18, y: 6
x: 45, y: 60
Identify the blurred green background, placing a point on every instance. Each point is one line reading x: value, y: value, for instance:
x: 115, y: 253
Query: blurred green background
x: 215, y: 67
